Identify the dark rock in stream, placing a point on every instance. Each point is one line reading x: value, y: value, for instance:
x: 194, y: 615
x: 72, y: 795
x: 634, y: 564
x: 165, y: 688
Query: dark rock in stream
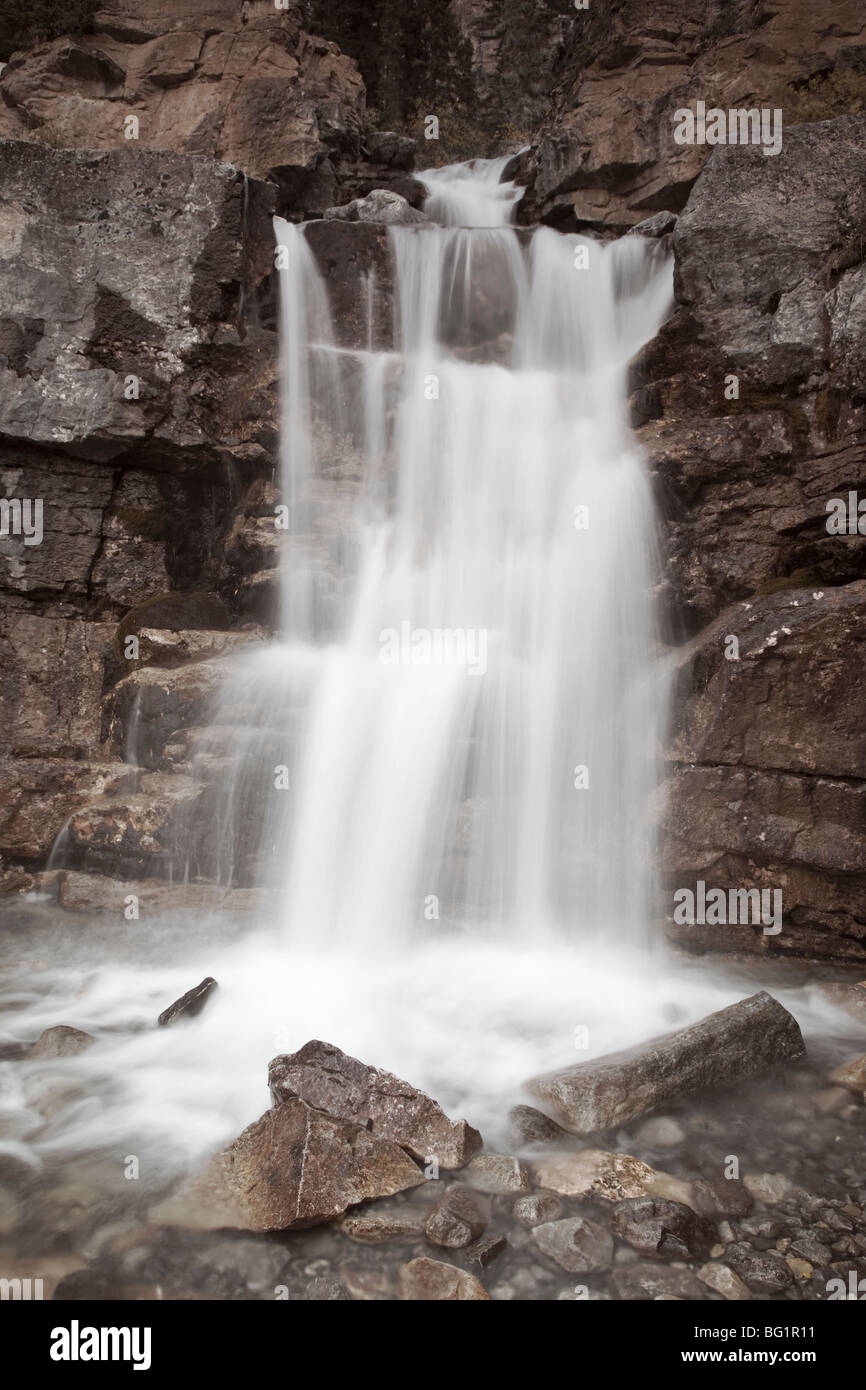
x: 189, y: 1005
x: 330, y: 1080
x: 723, y: 1049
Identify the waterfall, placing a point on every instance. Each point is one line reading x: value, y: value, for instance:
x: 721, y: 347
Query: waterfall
x: 479, y: 741
x: 442, y: 762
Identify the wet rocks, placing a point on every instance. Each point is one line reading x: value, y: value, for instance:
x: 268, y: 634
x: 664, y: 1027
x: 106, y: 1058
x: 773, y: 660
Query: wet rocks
x: 61, y: 1041
x: 382, y: 1222
x: 663, y: 1229
x: 485, y: 1250
x: 458, y: 1219
x: 537, y: 1208
x: 723, y: 1281
x: 594, y: 1174
x: 294, y: 1167
x: 764, y: 1272
x: 721, y: 1197
x: 496, y: 1173
x: 852, y: 1076
x: 383, y: 205
x: 723, y: 1048
x: 431, y: 1280
x: 189, y: 1005
x: 528, y: 1126
x: 768, y: 1188
x: 329, y: 1079
x: 577, y: 1244
x: 640, y: 1282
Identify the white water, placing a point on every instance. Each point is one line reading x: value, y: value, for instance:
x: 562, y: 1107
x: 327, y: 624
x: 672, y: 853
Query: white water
x: 419, y: 786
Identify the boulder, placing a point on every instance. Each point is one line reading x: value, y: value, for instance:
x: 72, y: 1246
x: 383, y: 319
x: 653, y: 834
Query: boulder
x: 294, y: 1167
x: 724, y: 1049
x: 322, y: 1075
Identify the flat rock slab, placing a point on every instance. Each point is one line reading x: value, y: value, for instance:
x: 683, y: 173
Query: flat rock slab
x: 330, y: 1080
x: 724, y: 1049
x: 292, y: 1168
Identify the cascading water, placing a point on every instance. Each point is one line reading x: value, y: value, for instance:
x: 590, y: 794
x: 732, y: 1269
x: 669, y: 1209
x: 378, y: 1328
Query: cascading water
x: 465, y: 702
x: 480, y: 739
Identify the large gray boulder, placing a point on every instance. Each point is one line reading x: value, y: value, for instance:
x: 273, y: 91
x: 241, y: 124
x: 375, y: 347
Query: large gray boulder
x: 724, y: 1049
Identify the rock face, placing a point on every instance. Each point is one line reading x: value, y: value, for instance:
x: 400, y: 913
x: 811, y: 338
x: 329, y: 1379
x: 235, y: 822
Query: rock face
x: 607, y: 157
x: 136, y: 399
x: 723, y: 1049
x: 251, y: 88
x: 294, y: 1167
x: 324, y: 1076
x: 760, y: 406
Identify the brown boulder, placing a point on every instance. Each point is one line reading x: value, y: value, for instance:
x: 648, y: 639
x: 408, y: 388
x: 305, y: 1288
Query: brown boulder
x: 292, y: 1168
